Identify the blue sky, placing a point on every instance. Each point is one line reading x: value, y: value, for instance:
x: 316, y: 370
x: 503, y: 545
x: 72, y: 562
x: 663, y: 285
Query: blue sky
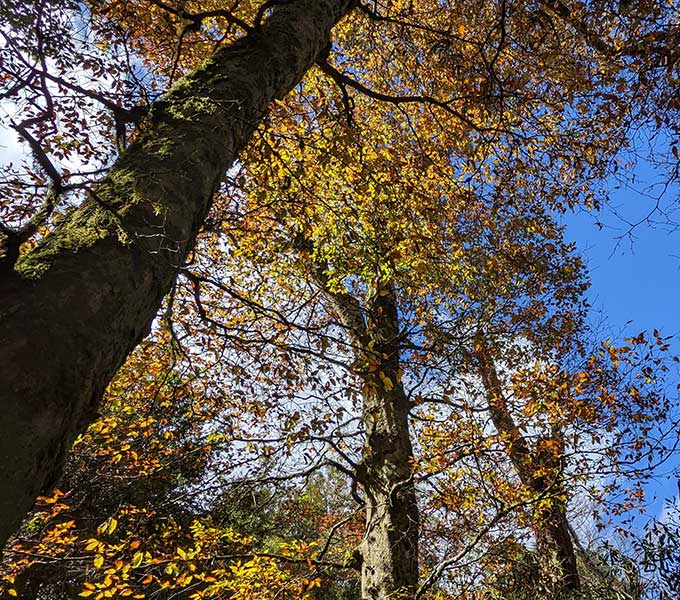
x: 633, y: 277
x: 632, y: 246
x: 635, y: 274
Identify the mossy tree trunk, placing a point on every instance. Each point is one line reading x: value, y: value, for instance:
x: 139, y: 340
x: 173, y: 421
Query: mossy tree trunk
x: 389, y: 549
x: 74, y: 308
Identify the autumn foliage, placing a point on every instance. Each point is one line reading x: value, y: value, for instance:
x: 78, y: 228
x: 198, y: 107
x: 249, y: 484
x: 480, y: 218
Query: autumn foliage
x: 375, y: 375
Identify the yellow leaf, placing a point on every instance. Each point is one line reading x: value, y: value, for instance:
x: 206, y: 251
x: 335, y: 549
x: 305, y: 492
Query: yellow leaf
x: 137, y: 559
x: 387, y: 382
x: 12, y: 592
x: 98, y: 561
x: 91, y: 544
x: 112, y: 525
x: 86, y: 593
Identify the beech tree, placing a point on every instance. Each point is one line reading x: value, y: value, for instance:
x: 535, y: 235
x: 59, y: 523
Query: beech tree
x: 446, y: 135
x: 269, y: 380
x: 398, y: 283
x: 75, y: 306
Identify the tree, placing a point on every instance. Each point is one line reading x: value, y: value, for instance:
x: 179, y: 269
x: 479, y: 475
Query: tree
x: 128, y: 521
x: 542, y: 472
x: 88, y: 293
x: 482, y: 139
x: 600, y: 398
x: 399, y: 319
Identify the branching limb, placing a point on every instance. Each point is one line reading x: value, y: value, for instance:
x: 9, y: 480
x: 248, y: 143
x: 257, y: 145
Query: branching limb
x: 342, y: 78
x: 356, y: 476
x: 347, y: 100
x: 122, y: 116
x: 14, y: 238
x: 198, y: 18
x: 321, y: 553
x: 438, y: 571
x: 659, y: 43
x: 373, y: 15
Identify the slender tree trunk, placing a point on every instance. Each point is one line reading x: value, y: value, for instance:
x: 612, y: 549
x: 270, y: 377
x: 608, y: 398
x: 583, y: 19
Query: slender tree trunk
x: 390, y: 546
x: 73, y: 309
x: 542, y: 475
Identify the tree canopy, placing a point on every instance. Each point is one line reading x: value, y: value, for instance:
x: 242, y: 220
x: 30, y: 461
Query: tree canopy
x: 369, y: 368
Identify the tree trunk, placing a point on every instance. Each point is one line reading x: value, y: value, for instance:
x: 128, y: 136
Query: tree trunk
x: 390, y: 546
x: 541, y: 473
x: 557, y: 558
x: 74, y: 308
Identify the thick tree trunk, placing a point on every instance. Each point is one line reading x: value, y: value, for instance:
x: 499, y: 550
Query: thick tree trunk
x: 390, y: 546
x: 541, y: 473
x: 389, y: 549
x: 73, y: 309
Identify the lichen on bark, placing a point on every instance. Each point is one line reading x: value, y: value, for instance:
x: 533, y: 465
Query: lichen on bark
x: 73, y: 308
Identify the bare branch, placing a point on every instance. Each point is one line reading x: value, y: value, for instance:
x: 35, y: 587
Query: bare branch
x: 340, y: 77
x: 197, y: 18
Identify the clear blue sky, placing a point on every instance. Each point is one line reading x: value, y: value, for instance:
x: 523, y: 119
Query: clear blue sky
x: 633, y: 278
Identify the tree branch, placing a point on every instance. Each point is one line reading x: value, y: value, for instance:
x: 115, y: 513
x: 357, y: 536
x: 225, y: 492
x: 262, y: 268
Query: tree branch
x: 341, y: 78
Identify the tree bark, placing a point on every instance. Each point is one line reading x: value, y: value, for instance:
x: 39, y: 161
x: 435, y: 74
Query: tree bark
x: 389, y: 548
x: 543, y: 477
x: 75, y: 307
